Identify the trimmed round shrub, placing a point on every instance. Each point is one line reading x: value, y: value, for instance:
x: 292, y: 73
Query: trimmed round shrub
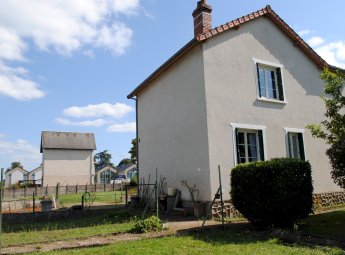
x: 274, y: 193
x: 336, y: 154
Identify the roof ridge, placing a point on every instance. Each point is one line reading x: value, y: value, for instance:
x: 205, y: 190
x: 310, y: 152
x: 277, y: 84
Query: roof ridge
x: 270, y: 13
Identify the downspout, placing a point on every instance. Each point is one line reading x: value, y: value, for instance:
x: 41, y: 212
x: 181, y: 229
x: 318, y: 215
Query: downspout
x: 136, y: 130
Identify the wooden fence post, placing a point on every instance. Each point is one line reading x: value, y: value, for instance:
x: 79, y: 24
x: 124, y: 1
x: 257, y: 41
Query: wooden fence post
x: 76, y: 189
x: 57, y: 191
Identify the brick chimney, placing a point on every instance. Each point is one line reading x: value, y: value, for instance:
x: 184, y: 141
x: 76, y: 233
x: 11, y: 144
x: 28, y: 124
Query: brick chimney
x: 202, y: 18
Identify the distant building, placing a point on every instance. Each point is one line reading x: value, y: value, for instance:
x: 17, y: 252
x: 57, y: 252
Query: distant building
x: 67, y: 158
x: 15, y: 175
x: 127, y: 171
x: 36, y: 175
x: 107, y: 173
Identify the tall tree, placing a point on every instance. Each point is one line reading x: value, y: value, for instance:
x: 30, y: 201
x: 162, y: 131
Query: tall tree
x: 14, y: 165
x: 125, y: 161
x: 102, y: 158
x: 134, y: 151
x: 332, y: 129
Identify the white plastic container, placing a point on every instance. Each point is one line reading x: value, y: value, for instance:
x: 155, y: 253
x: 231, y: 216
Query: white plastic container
x: 171, y: 191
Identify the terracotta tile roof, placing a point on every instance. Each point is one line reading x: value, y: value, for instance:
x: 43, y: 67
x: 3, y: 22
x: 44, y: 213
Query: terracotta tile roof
x: 235, y: 24
x: 274, y: 17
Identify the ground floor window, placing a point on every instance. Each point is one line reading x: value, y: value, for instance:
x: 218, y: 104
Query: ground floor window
x: 295, y: 145
x: 249, y: 145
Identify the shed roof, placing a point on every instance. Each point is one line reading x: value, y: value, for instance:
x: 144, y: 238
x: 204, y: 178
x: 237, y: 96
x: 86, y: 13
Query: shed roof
x: 67, y: 141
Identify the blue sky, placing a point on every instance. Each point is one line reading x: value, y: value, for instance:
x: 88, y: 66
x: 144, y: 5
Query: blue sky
x: 68, y: 65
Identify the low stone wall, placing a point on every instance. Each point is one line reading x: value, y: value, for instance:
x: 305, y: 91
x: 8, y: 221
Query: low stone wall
x: 328, y: 199
x: 321, y: 200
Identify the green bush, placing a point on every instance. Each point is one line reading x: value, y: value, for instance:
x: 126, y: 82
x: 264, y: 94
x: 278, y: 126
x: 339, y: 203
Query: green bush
x: 273, y: 193
x: 336, y: 154
x: 149, y: 224
x: 134, y: 181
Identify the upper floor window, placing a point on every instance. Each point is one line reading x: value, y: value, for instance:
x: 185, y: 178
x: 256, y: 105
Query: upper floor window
x: 269, y: 81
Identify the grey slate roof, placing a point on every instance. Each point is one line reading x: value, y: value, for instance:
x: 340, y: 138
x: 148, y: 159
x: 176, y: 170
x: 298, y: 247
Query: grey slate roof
x: 67, y: 141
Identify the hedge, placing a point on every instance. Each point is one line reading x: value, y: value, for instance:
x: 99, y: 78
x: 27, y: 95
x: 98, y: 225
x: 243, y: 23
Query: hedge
x: 273, y: 193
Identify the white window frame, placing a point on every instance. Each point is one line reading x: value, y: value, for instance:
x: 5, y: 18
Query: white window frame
x: 296, y: 131
x: 246, y: 132
x: 250, y: 128
x: 269, y: 65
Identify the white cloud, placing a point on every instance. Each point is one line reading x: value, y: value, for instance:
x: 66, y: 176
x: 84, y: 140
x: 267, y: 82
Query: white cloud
x: 14, y: 83
x: 126, y: 7
x: 116, y: 111
x: 60, y: 26
x: 304, y: 32
x: 122, y: 128
x: 333, y: 53
x: 20, y: 150
x: 86, y: 123
x: 315, y: 41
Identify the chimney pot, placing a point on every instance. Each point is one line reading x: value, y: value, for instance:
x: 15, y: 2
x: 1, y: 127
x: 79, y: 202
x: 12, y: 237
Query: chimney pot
x: 202, y: 18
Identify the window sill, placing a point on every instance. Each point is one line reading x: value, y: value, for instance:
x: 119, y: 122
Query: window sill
x: 271, y: 100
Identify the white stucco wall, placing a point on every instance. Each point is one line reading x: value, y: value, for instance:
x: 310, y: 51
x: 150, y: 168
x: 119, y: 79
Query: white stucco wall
x: 231, y: 96
x: 36, y: 174
x: 14, y: 176
x: 67, y: 167
x: 172, y: 127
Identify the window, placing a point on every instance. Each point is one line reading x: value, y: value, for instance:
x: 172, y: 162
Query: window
x: 249, y: 145
x: 269, y: 81
x: 295, y: 145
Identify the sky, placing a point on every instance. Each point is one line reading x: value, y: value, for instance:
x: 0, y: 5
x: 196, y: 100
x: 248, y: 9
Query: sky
x: 68, y: 65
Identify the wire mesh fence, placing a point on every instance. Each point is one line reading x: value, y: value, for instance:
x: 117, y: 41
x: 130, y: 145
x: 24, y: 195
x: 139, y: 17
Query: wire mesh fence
x: 85, y: 198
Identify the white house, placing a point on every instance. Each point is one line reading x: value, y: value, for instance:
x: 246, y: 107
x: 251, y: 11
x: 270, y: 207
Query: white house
x: 67, y: 158
x: 105, y: 174
x: 108, y: 173
x: 241, y: 92
x: 36, y: 175
x: 15, y: 175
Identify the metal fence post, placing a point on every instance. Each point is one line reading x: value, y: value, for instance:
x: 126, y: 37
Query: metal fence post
x: 57, y: 191
x: 1, y: 193
x: 126, y: 195
x: 33, y: 205
x: 76, y: 189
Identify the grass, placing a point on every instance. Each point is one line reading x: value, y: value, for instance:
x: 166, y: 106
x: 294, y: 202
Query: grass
x: 99, y: 197
x: 29, y: 233
x: 330, y: 224
x: 209, y: 242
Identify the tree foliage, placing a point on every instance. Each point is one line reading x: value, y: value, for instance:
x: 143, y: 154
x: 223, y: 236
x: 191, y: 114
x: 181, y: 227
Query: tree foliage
x: 332, y: 129
x: 125, y: 161
x: 134, y: 151
x: 14, y: 165
x: 102, y: 158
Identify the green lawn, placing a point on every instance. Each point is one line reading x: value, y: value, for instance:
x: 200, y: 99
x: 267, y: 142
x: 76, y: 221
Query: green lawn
x: 209, y: 242
x: 18, y: 234
x: 331, y: 225
x: 99, y: 197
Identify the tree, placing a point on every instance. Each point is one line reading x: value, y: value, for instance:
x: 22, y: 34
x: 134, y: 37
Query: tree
x: 332, y: 129
x: 125, y: 161
x: 134, y: 151
x: 102, y: 158
x: 14, y: 165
